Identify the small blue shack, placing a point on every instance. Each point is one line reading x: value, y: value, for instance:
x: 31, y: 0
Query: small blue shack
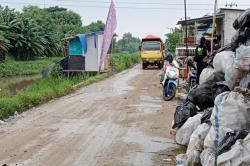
x: 84, y: 52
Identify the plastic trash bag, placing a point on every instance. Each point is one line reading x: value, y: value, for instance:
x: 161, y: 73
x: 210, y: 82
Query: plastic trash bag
x: 245, y: 81
x: 195, y: 146
x: 243, y: 20
x: 240, y: 37
x: 231, y: 112
x: 208, y: 157
x: 206, y: 116
x: 242, y: 60
x: 184, y: 133
x: 183, y: 112
x: 204, y: 94
x: 205, y: 74
x: 221, y: 87
x: 229, y: 140
x: 238, y: 155
x: 221, y: 59
x: 190, y: 94
x: 247, y: 43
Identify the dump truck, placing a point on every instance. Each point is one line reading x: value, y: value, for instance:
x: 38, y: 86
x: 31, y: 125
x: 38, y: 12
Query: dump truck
x: 152, y: 51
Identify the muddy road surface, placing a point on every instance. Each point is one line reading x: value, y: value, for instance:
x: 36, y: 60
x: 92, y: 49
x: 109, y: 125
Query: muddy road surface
x: 121, y: 121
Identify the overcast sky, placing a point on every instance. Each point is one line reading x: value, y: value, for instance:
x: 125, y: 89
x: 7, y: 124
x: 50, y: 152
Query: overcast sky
x: 140, y: 17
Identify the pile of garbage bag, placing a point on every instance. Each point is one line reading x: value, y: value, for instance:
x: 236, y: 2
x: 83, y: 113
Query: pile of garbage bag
x: 214, y: 120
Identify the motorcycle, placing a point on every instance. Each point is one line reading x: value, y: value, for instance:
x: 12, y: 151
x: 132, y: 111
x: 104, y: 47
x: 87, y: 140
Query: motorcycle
x: 169, y: 81
x: 192, y: 74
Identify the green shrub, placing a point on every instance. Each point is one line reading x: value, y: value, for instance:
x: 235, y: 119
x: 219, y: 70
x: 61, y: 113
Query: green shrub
x: 12, y: 67
x: 122, y: 61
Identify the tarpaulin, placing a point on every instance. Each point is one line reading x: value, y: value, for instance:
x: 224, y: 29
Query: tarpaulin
x: 83, y: 40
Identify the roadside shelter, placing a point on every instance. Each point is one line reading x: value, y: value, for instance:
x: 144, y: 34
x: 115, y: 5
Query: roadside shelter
x: 84, y: 52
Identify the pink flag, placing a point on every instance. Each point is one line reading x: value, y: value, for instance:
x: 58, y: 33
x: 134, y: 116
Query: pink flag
x: 109, y: 31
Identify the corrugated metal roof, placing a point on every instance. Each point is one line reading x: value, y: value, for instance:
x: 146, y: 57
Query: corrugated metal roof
x: 205, y: 18
x: 220, y: 14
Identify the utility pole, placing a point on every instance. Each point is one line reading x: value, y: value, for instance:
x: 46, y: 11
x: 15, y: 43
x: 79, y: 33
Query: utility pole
x: 213, y: 26
x: 185, y: 7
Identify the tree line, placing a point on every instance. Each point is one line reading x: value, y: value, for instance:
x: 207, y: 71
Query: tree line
x: 37, y: 32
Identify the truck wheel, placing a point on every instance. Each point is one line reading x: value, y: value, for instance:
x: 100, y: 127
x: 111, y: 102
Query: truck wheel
x: 144, y: 65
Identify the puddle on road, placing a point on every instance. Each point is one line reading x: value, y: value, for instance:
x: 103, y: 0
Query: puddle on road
x: 117, y: 85
x: 149, y: 105
x: 149, y: 146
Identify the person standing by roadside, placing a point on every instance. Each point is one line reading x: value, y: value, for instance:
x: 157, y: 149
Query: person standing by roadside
x: 201, y: 54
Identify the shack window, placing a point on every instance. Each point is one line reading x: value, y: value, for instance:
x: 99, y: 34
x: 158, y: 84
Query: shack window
x: 151, y: 45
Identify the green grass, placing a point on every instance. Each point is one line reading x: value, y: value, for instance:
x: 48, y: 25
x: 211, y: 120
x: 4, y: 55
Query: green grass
x: 12, y: 68
x: 123, y: 61
x: 5, y: 82
x: 43, y: 90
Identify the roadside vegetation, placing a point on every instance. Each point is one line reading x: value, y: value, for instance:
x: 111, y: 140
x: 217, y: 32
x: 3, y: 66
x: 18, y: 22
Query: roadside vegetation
x: 172, y: 39
x: 121, y: 61
x: 36, y: 32
x: 32, y: 40
x: 11, y: 67
x: 43, y: 90
x: 128, y: 43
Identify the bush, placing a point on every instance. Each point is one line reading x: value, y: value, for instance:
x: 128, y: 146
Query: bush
x: 12, y: 67
x: 122, y: 61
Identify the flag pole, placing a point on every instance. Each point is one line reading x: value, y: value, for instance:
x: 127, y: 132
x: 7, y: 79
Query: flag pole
x: 185, y: 7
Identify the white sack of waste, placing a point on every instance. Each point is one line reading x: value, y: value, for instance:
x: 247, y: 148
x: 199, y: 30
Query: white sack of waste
x: 242, y: 59
x: 231, y: 112
x: 196, y: 144
x: 208, y: 157
x: 184, y: 133
x: 233, y: 75
x: 205, y: 74
x: 238, y: 155
x: 245, y: 81
x: 211, y: 137
x: 221, y: 59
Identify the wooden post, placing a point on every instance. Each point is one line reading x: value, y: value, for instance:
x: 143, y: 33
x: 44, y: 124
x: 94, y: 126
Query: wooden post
x: 213, y: 26
x: 185, y: 7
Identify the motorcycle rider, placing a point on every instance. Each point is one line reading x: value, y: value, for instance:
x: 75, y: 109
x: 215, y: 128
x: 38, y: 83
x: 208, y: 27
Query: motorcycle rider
x: 168, y: 61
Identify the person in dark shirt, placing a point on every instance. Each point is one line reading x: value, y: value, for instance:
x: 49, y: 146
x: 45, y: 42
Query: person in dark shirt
x: 201, y: 53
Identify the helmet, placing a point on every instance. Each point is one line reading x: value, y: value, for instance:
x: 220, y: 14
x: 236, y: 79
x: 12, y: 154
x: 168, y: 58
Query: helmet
x: 169, y: 57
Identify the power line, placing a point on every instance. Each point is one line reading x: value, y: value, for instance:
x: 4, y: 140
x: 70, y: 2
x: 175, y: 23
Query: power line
x: 134, y: 3
x: 144, y: 3
x: 95, y: 6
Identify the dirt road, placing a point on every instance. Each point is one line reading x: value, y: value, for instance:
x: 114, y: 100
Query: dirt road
x: 121, y: 121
